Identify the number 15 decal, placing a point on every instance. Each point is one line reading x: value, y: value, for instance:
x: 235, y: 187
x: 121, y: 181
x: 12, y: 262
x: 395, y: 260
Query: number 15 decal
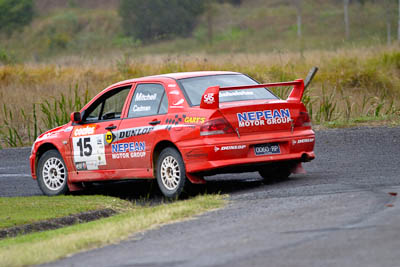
x: 85, y: 148
x: 89, y: 152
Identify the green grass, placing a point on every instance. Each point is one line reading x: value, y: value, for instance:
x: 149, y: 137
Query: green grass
x: 38, y: 248
x: 16, y: 211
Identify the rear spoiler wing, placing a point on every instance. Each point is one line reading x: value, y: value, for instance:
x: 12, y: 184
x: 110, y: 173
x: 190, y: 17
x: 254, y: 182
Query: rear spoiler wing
x: 210, y: 98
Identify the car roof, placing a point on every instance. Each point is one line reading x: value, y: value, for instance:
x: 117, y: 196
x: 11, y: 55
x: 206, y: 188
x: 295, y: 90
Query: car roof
x: 184, y: 75
x: 175, y: 76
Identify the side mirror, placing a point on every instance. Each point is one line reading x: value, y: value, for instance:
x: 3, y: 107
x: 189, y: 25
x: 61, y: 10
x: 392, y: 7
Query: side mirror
x: 76, y: 117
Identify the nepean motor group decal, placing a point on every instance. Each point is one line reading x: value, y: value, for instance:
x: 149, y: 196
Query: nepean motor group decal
x: 128, y: 150
x: 266, y: 117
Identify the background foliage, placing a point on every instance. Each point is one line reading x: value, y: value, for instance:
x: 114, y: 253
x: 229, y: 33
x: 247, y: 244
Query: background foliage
x: 159, y: 19
x: 97, y: 27
x: 14, y: 14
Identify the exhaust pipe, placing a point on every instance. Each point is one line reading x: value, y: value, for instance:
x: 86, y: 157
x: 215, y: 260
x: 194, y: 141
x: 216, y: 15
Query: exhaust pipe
x: 305, y: 158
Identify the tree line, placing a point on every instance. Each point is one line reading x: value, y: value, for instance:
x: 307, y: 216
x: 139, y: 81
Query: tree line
x: 162, y: 19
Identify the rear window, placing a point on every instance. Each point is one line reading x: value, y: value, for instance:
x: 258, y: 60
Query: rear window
x: 195, y: 88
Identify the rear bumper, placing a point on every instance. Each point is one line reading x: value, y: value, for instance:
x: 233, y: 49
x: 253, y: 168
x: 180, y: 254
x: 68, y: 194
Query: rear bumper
x: 217, y: 164
x: 206, y: 157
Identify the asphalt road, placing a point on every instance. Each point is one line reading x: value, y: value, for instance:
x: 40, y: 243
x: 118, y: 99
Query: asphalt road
x: 338, y: 214
x: 15, y: 177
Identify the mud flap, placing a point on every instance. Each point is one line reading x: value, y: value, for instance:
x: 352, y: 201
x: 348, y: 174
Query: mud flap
x: 74, y: 186
x: 195, y: 179
x: 298, y: 168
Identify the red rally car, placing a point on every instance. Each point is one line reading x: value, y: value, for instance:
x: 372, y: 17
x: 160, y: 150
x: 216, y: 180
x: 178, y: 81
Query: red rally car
x: 176, y: 128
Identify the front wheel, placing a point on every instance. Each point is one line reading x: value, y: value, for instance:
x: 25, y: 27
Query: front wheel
x: 171, y: 174
x: 52, y: 174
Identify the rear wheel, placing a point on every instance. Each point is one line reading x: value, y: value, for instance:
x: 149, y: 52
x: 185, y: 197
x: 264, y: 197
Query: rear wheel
x: 52, y: 174
x: 171, y: 174
x: 273, y: 172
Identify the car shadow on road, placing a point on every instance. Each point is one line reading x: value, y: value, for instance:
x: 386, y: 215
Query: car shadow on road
x: 146, y: 192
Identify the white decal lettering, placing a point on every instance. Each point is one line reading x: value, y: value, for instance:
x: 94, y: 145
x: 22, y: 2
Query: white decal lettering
x: 209, y: 98
x: 235, y: 93
x: 88, y: 130
x: 137, y: 108
x: 147, y: 97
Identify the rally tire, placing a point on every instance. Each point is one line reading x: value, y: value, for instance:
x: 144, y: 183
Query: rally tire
x: 52, y: 174
x: 171, y: 173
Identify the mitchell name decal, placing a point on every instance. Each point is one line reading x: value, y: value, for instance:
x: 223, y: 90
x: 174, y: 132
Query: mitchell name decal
x: 266, y: 117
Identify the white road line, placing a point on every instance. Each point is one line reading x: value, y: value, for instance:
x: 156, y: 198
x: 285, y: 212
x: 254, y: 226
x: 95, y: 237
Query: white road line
x: 14, y: 175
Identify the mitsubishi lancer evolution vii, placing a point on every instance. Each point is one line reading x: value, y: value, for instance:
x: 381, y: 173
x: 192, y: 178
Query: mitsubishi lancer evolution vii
x: 177, y: 128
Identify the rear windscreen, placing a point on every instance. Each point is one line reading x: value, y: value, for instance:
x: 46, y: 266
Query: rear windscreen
x: 195, y: 88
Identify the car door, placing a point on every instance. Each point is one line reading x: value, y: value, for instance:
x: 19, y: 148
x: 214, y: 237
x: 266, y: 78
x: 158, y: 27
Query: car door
x: 141, y: 129
x: 91, y: 139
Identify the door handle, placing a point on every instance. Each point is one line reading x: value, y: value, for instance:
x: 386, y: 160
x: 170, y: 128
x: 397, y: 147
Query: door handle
x: 111, y: 127
x: 154, y: 122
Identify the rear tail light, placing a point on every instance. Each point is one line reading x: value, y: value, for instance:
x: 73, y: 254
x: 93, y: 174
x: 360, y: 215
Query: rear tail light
x: 303, y: 120
x: 218, y: 126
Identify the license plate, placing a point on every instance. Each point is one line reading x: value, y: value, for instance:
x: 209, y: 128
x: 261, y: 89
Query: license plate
x: 267, y: 149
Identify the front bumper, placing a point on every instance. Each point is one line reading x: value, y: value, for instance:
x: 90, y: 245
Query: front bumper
x: 32, y: 161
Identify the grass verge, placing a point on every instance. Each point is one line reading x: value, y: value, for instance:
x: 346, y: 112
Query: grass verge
x: 48, y: 246
x: 15, y: 211
x: 388, y: 120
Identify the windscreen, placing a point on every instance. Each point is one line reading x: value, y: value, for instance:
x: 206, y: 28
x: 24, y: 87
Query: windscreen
x: 195, y: 88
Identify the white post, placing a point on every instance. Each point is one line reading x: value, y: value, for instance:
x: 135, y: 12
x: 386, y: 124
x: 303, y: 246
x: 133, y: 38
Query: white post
x: 298, y: 7
x: 299, y: 32
x: 398, y: 30
x: 386, y: 4
x: 346, y: 18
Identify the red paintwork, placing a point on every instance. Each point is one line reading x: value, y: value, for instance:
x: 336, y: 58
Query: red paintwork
x: 200, y: 153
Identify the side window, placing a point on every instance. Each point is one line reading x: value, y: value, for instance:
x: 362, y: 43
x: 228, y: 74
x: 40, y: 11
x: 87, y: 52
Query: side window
x: 146, y: 100
x: 164, y: 105
x: 95, y: 114
x: 109, y: 106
